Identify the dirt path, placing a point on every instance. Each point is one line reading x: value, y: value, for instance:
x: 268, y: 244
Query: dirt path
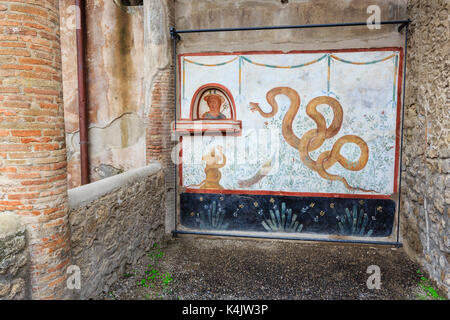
x: 249, y: 269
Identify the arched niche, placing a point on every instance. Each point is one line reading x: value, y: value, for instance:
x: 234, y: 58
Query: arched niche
x: 212, y: 110
x: 208, y: 94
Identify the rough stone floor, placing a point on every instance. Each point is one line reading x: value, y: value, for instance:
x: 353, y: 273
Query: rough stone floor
x: 204, y: 268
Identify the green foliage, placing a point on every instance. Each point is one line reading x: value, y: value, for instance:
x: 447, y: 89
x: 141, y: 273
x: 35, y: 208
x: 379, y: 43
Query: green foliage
x: 212, y: 219
x: 157, y: 282
x: 128, y: 275
x: 282, y: 222
x: 112, y: 295
x: 354, y: 223
x: 426, y: 286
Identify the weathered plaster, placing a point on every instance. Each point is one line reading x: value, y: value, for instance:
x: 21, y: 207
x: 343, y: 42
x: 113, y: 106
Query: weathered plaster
x: 115, y: 87
x: 110, y: 148
x: 244, y: 13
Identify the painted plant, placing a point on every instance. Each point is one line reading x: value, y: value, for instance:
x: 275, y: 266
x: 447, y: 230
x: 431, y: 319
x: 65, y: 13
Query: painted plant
x: 283, y: 221
x: 212, y: 217
x: 354, y: 223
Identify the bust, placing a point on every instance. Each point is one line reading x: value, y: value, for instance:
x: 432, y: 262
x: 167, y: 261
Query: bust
x: 214, y: 102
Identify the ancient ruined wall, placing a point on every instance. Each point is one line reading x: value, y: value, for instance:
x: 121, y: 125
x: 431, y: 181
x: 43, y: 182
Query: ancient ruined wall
x: 245, y: 13
x: 220, y: 14
x: 32, y: 148
x: 14, y: 272
x: 115, y: 88
x: 426, y: 178
x: 159, y: 93
x: 114, y: 221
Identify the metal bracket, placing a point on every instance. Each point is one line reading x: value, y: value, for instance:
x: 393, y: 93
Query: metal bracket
x: 174, y: 34
x: 403, y: 25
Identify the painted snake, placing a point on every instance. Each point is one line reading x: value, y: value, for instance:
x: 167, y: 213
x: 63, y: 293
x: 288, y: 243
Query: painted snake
x: 314, y: 138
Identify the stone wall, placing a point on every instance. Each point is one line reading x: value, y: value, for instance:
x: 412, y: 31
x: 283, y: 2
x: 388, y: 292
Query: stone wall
x: 14, y: 281
x: 114, y: 221
x: 426, y: 157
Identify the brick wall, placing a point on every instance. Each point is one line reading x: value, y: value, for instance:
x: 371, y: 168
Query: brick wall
x: 160, y: 102
x: 32, y: 148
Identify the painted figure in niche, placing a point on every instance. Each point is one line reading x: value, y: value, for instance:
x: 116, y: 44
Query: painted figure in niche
x: 215, y: 103
x: 214, y: 161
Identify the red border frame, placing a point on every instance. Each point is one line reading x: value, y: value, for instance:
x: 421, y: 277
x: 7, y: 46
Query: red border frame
x: 304, y: 194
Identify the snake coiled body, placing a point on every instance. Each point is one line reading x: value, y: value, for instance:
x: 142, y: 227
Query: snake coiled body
x: 314, y: 138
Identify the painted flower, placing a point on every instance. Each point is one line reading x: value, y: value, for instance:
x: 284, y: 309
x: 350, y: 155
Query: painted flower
x: 221, y: 198
x: 192, y: 214
x: 241, y: 206
x: 332, y: 205
x: 312, y: 204
x: 361, y: 202
x: 322, y: 213
x: 380, y: 208
x: 201, y: 198
x: 256, y: 204
x: 272, y: 200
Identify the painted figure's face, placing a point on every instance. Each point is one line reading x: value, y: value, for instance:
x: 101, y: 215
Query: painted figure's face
x: 214, y: 106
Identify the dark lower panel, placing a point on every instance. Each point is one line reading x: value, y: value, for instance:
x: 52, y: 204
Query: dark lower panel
x: 270, y: 213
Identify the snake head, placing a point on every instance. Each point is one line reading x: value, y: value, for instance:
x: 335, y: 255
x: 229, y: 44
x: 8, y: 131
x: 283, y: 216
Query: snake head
x: 254, y: 106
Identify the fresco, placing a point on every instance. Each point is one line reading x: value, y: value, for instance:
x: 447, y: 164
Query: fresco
x: 286, y: 214
x: 314, y: 127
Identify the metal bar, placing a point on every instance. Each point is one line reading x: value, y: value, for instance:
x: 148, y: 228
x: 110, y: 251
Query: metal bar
x: 304, y: 26
x: 401, y: 134
x: 403, y: 25
x: 82, y: 92
x: 175, y: 37
x: 214, y: 234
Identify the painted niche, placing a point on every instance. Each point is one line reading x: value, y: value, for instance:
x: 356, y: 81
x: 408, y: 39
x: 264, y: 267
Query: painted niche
x: 212, y: 111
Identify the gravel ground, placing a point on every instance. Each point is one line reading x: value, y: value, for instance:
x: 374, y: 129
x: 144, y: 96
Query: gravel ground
x: 204, y: 268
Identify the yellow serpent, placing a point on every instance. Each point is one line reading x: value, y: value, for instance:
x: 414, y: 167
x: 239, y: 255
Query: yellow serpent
x: 314, y: 138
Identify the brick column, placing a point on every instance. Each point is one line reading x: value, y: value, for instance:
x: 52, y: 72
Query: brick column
x: 32, y: 147
x: 159, y: 93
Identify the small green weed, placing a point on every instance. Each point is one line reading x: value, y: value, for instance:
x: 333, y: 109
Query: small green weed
x: 425, y: 285
x: 112, y: 295
x: 154, y: 279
